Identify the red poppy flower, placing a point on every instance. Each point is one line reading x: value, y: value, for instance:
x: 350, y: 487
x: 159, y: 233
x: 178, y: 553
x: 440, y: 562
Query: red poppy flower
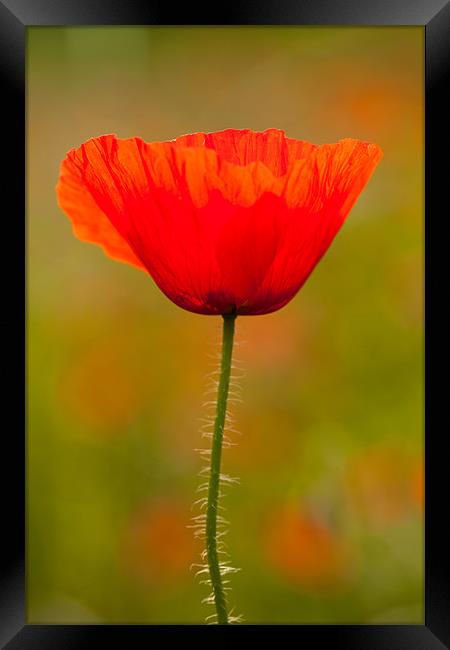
x: 227, y: 222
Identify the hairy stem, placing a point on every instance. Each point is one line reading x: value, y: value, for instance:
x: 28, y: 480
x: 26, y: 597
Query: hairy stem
x: 214, y: 477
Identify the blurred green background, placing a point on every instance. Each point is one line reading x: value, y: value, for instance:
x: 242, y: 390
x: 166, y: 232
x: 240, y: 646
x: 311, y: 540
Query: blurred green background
x: 327, y: 524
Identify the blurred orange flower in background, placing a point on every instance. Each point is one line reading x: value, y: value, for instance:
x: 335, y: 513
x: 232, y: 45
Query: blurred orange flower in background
x: 100, y: 389
x: 381, y: 487
x: 158, y: 546
x: 418, y: 485
x: 303, y: 549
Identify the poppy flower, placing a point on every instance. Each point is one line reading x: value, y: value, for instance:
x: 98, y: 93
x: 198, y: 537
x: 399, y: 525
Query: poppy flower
x: 231, y: 222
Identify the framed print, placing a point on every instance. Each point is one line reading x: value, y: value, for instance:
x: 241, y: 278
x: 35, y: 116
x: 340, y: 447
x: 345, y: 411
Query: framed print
x: 225, y: 229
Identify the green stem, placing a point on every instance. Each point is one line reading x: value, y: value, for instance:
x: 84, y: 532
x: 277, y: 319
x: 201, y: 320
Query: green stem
x: 214, y: 477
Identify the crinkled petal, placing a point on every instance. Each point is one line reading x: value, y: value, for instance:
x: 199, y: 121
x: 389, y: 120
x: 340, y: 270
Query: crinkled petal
x: 89, y: 222
x: 244, y: 146
x: 319, y: 193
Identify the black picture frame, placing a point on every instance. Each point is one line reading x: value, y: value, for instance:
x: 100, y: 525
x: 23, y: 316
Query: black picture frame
x: 15, y: 17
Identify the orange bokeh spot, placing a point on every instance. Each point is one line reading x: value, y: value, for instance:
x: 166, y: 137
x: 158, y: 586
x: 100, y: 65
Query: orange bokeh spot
x: 379, y: 486
x: 158, y: 546
x: 418, y: 485
x: 306, y: 552
x: 101, y: 390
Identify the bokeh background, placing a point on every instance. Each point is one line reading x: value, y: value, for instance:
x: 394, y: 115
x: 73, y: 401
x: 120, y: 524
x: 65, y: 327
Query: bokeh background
x: 327, y: 523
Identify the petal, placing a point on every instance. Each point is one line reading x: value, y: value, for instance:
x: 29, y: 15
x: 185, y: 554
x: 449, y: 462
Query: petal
x: 243, y: 146
x: 169, y: 205
x: 152, y: 196
x: 319, y: 193
x: 247, y: 247
x: 89, y: 222
x: 331, y: 173
x: 299, y: 149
